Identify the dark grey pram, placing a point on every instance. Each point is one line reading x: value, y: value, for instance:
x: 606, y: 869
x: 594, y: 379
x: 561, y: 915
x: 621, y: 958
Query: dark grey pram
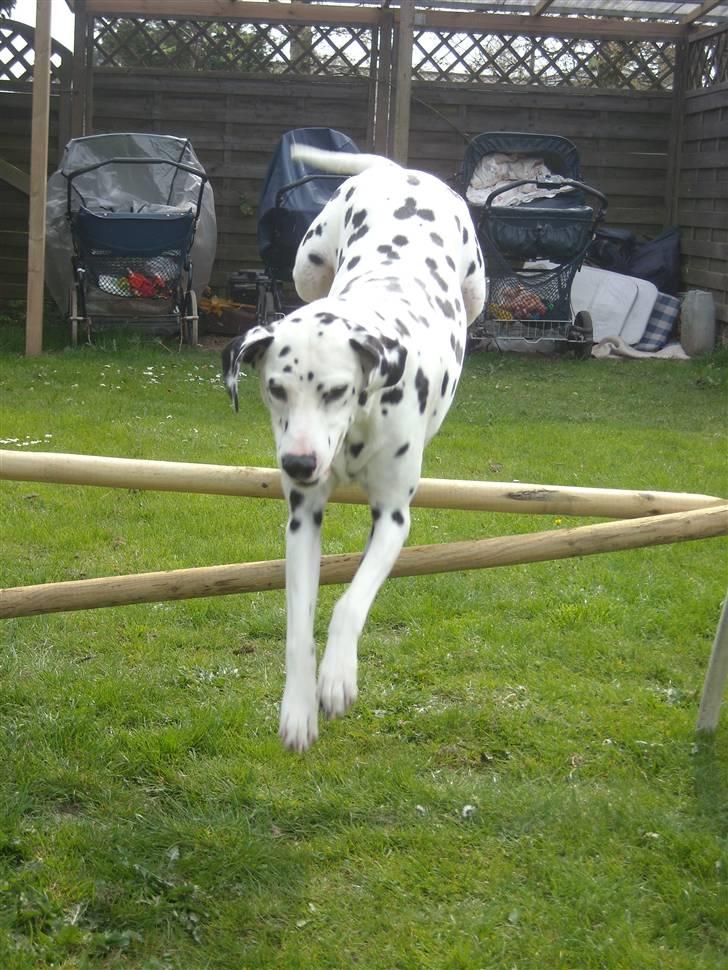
x: 291, y: 199
x: 534, y: 245
x: 125, y: 211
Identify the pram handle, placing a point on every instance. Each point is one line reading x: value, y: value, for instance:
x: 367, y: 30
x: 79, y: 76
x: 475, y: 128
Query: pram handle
x: 550, y: 184
x: 302, y: 181
x: 138, y: 160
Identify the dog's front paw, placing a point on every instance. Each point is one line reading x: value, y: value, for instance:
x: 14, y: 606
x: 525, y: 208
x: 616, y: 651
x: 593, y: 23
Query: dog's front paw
x: 337, y: 688
x: 299, y: 721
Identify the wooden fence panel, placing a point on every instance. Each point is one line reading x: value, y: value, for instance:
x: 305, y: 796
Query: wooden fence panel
x: 703, y: 194
x: 234, y: 123
x: 622, y: 137
x: 15, y: 112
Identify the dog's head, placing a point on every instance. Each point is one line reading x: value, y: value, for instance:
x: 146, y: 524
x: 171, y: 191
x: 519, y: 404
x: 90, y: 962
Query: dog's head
x: 317, y: 371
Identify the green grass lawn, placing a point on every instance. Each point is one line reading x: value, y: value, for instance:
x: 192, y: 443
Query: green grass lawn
x: 519, y: 784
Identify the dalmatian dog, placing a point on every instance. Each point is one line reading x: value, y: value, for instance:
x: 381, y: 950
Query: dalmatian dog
x: 357, y: 382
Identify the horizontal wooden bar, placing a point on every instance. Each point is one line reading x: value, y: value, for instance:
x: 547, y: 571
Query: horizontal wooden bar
x: 172, y: 476
x: 180, y: 584
x: 302, y: 13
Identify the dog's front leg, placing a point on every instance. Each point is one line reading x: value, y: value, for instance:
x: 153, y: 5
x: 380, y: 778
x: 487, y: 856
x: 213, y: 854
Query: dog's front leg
x: 299, y: 708
x: 337, y: 683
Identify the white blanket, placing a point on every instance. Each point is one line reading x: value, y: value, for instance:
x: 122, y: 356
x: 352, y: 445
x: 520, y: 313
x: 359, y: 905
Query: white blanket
x: 616, y: 347
x: 498, y: 169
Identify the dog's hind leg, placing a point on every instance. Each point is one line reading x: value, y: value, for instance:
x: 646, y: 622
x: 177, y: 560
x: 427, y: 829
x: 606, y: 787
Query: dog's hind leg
x: 299, y: 709
x: 315, y: 265
x: 337, y: 682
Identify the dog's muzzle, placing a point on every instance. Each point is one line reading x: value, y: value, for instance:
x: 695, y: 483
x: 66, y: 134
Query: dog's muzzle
x: 299, y: 467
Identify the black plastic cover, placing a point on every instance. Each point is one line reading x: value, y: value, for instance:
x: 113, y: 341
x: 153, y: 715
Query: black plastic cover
x: 282, y: 226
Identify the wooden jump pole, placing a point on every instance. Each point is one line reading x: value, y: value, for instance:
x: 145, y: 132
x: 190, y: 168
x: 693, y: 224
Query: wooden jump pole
x: 171, y: 476
x: 413, y: 561
x: 715, y: 676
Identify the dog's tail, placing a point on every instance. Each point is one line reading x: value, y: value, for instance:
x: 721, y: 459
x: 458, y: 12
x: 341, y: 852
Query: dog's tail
x: 338, y: 163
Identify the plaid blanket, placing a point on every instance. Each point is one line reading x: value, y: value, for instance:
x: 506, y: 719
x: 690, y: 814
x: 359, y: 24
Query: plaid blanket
x: 661, y: 324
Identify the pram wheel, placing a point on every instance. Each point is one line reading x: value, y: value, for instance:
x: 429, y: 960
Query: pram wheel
x: 189, y: 319
x: 581, y: 335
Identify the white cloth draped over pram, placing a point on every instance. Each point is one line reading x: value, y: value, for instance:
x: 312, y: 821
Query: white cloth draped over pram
x: 498, y: 169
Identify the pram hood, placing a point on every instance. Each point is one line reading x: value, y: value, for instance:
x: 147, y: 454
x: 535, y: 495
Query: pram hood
x: 144, y: 187
x: 284, y: 217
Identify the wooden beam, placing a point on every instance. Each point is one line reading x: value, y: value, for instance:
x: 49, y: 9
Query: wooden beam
x: 87, y: 594
x: 715, y: 676
x: 403, y: 82
x: 38, y: 179
x: 78, y: 74
x: 538, y: 8
x: 14, y: 176
x: 548, y: 26
x: 383, y: 85
x: 294, y: 13
x: 700, y: 11
x: 301, y: 13
x: 677, y: 127
x: 177, y: 476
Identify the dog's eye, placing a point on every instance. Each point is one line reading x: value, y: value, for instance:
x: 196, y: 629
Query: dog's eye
x: 335, y: 394
x: 277, y: 391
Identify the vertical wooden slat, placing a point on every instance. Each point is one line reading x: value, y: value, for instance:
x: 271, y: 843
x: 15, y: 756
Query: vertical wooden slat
x: 672, y: 188
x: 78, y: 79
x: 403, y: 89
x: 88, y: 80
x: 372, y: 105
x: 38, y: 179
x: 384, y: 84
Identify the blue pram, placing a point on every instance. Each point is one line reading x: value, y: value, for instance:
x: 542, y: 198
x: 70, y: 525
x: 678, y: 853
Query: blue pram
x: 133, y: 203
x: 291, y: 198
x: 535, y: 232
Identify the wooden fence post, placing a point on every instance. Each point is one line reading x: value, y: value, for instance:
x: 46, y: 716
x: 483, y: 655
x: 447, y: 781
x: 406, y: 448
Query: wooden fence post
x: 403, y: 83
x: 38, y: 179
x: 78, y: 73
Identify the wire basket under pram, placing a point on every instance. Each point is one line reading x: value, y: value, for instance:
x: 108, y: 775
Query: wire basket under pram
x: 534, y: 245
x: 291, y: 198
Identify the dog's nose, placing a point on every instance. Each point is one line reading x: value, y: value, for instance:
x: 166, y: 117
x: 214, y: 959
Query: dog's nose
x: 299, y: 467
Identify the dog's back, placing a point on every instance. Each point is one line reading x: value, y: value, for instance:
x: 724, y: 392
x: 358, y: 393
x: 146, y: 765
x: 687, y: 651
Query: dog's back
x: 394, y: 227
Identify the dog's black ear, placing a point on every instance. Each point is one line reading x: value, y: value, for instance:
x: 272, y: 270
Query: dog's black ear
x: 247, y: 349
x: 383, y: 359
x: 395, y: 356
x: 370, y: 352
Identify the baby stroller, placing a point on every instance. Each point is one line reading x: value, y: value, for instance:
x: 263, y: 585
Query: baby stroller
x: 535, y: 220
x: 132, y: 205
x: 291, y: 199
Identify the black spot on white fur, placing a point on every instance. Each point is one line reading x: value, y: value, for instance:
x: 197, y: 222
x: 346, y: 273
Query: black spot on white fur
x: 359, y: 234
x: 409, y: 210
x: 422, y: 386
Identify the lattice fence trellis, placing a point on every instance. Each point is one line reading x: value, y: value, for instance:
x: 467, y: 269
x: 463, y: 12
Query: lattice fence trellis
x: 708, y: 61
x: 550, y: 61
x: 236, y: 47
x: 324, y: 50
x: 17, y: 55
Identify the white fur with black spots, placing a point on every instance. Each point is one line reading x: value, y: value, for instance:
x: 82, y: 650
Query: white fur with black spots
x: 357, y: 382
